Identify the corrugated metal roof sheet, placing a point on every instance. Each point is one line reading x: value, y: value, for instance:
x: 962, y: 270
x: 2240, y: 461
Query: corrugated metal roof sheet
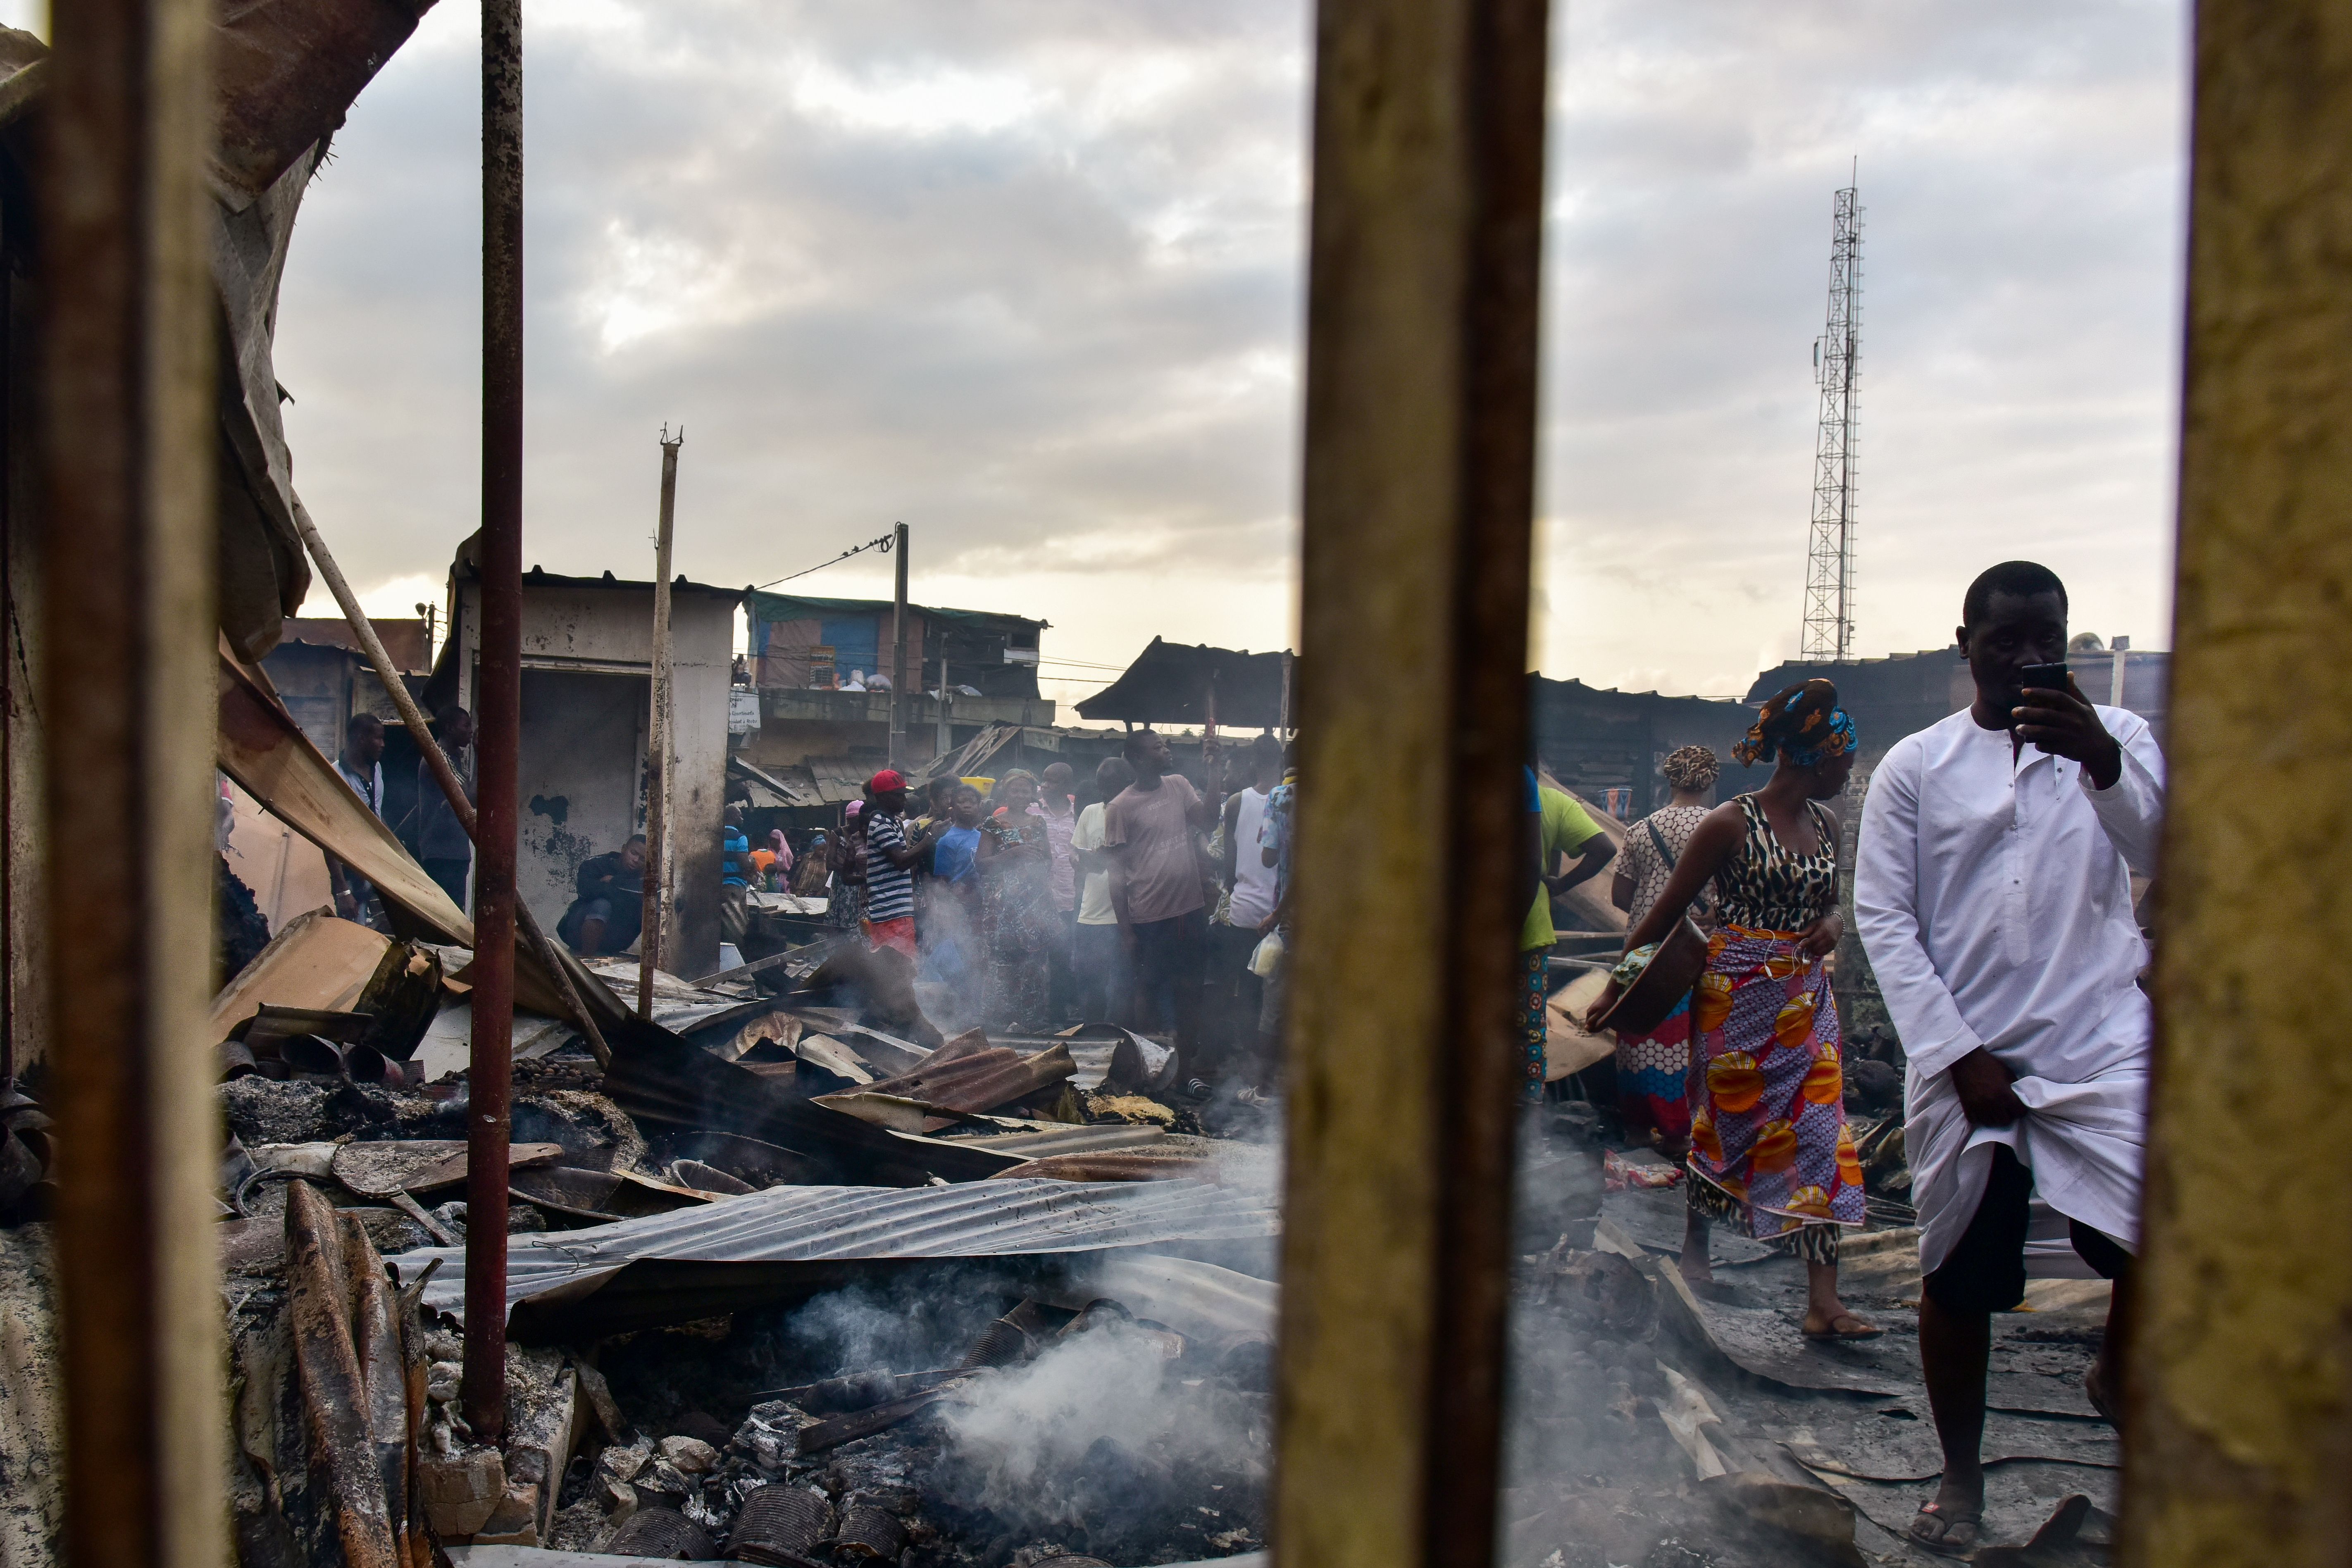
x: 830, y: 1225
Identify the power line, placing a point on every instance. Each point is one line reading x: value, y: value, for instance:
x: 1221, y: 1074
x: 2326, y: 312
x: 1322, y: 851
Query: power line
x: 883, y: 544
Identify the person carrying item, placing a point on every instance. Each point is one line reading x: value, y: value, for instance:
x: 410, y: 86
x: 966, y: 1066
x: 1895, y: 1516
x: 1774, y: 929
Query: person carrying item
x: 1155, y: 890
x: 1564, y: 828
x: 1992, y: 890
x: 610, y: 910
x: 891, y: 858
x: 1653, y: 1069
x: 1769, y: 1151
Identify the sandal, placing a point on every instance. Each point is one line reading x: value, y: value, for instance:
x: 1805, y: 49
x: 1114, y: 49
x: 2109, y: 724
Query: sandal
x: 1838, y: 1330
x: 1946, y: 1534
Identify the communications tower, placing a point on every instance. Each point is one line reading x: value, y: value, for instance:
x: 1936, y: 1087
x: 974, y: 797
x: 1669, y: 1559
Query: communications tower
x: 1837, y: 356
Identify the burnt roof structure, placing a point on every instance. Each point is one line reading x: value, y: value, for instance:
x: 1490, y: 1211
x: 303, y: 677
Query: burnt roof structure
x: 1168, y: 683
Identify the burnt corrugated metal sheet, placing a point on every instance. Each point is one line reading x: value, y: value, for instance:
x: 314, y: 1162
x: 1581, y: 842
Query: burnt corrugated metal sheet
x: 676, y: 1266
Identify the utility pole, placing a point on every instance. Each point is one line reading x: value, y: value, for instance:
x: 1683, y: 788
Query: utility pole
x: 490, y: 1078
x: 655, y: 875
x: 944, y: 744
x: 898, y: 658
x: 1837, y: 356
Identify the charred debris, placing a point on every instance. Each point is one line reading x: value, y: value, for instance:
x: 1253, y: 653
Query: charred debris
x: 786, y: 1286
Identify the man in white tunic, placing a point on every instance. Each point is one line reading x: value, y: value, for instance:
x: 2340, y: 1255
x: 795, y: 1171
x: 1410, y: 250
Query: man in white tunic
x: 1992, y: 893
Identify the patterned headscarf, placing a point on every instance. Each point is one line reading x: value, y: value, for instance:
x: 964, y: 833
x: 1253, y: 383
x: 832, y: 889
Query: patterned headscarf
x: 1803, y: 726
x: 1691, y: 767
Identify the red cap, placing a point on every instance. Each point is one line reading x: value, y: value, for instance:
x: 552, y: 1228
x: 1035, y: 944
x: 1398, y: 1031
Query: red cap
x: 888, y: 779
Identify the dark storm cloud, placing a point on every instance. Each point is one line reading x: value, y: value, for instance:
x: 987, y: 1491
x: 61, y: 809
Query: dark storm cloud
x: 1026, y: 275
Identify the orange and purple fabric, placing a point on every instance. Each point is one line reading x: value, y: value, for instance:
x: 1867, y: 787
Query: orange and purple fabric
x: 1771, y: 1131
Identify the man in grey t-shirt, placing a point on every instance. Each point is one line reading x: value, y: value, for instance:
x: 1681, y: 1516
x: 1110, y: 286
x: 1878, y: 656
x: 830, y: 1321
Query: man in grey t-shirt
x: 1156, y: 890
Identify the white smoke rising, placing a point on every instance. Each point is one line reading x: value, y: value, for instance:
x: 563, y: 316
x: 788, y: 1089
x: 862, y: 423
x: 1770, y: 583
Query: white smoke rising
x: 1023, y: 1433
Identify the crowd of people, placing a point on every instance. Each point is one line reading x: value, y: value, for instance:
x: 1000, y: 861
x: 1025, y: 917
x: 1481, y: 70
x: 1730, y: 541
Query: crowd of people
x: 1992, y: 887
x: 1031, y: 907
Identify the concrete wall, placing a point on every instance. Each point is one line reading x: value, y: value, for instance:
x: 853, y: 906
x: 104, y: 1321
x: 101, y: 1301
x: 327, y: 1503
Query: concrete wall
x: 587, y: 655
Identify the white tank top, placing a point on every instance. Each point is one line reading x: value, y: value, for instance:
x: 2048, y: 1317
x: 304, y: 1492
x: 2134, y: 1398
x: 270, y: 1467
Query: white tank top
x: 1253, y: 878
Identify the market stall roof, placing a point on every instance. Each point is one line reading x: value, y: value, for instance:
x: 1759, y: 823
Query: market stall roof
x: 766, y: 606
x: 1168, y: 684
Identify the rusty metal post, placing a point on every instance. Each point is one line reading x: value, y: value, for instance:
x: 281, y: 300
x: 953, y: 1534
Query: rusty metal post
x: 1419, y: 472
x: 498, y: 726
x: 2238, y: 1440
x: 129, y: 701
x: 655, y: 875
x: 898, y: 658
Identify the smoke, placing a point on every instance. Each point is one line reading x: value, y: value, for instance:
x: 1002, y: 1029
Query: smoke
x: 1109, y: 1431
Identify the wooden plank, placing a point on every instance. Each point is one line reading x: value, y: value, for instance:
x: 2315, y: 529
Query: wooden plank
x: 2240, y: 1418
x: 1418, y: 500
x: 131, y: 431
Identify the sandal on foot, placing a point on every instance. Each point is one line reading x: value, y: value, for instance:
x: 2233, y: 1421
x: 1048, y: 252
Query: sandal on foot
x: 1946, y: 1534
x: 1838, y: 1330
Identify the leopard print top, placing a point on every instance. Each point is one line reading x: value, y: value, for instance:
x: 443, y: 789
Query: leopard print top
x: 1765, y: 887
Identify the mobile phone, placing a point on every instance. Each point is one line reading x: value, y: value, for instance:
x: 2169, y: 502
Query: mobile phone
x: 2042, y: 678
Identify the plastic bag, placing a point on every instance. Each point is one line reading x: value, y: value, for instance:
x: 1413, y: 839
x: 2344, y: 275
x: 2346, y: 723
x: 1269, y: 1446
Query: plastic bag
x: 1267, y: 957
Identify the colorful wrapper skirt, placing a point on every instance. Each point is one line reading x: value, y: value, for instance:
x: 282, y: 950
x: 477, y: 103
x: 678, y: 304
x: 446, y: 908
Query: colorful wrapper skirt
x: 1770, y: 1136
x: 1535, y: 968
x: 1654, y: 1074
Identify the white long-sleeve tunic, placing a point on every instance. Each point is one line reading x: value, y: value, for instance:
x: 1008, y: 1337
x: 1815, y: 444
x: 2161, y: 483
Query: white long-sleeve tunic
x: 1992, y: 892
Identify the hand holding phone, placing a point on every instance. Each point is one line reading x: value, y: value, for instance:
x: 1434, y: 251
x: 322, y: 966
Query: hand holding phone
x: 2065, y: 724
x: 2042, y: 678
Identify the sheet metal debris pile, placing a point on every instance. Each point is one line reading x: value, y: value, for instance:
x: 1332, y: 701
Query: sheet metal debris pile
x: 1068, y: 1425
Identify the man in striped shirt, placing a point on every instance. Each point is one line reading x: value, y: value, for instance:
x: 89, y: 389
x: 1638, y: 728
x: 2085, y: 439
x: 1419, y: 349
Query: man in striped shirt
x: 891, y: 859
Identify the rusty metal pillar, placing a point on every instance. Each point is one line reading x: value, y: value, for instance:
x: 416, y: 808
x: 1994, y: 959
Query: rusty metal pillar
x: 499, y: 725
x: 128, y: 443
x: 2237, y: 1444
x: 1419, y: 476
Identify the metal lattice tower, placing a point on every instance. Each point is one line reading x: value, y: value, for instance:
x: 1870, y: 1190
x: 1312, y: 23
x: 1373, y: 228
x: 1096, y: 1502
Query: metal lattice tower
x: 1828, y: 571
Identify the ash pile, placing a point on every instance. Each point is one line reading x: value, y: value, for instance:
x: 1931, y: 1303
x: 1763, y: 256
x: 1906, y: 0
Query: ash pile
x: 1089, y: 1433
x: 793, y: 1277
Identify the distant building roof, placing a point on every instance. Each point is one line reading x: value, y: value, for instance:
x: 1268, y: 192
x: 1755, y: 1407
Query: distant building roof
x: 405, y: 640
x: 1901, y: 677
x: 764, y: 607
x: 1168, y: 683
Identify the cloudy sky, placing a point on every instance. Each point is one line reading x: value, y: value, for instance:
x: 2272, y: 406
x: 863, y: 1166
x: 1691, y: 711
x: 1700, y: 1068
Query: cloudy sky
x: 1026, y: 275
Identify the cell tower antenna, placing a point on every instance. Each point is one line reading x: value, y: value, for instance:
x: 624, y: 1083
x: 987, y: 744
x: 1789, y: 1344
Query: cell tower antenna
x: 1837, y: 361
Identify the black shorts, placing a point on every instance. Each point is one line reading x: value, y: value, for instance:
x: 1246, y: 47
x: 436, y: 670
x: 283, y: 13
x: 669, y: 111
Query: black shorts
x: 1985, y: 1272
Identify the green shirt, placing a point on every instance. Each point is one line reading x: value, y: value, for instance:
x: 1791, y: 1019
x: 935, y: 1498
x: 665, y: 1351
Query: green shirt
x: 1566, y: 828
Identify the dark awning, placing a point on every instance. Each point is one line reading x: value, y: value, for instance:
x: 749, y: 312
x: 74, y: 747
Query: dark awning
x: 1168, y: 683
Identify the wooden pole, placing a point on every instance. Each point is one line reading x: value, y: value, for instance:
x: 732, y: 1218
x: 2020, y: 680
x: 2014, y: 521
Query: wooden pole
x: 444, y: 775
x: 657, y: 746
x: 898, y: 658
x: 128, y: 701
x: 1417, y: 511
x: 944, y: 743
x: 499, y: 725
x: 2238, y: 1432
